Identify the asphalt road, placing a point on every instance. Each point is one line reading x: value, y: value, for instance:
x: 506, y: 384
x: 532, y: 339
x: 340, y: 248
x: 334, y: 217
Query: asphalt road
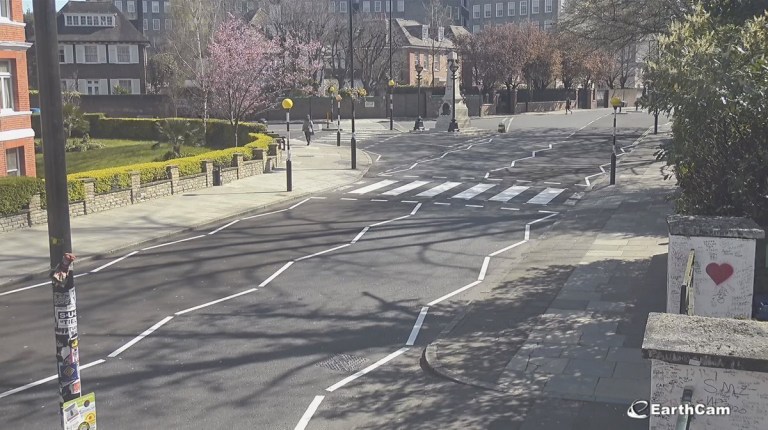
x: 322, y: 290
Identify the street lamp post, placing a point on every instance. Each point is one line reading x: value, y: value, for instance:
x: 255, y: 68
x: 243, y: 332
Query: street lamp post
x: 615, y: 102
x: 353, y: 155
x: 391, y: 84
x: 355, y: 4
x: 419, y: 123
x: 338, y: 120
x: 287, y: 105
x: 454, y: 67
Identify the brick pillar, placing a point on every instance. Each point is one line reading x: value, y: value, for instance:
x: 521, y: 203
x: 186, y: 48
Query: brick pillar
x: 89, y: 205
x: 207, y: 166
x: 258, y: 154
x: 135, y: 187
x: 173, y: 175
x: 237, y: 161
x: 272, y: 151
x: 34, y: 215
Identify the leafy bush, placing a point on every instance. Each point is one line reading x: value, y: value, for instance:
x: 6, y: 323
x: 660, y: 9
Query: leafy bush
x: 15, y: 193
x: 84, y: 144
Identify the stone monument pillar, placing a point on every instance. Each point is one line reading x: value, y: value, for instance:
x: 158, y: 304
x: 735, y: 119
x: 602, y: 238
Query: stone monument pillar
x: 446, y: 106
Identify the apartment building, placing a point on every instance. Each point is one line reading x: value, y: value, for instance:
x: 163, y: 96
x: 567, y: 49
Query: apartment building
x: 416, y: 10
x: 485, y: 13
x: 17, y: 148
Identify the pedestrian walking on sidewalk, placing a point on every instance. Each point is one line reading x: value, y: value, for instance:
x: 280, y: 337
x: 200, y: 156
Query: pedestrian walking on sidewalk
x: 308, y: 128
x: 568, y: 106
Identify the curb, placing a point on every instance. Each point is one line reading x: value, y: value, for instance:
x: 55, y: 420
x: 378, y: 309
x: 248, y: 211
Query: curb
x: 187, y: 229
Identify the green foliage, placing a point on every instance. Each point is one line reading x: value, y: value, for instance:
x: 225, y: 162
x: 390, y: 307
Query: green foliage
x: 714, y: 77
x: 15, y: 193
x: 120, y: 91
x: 178, y: 134
x: 83, y: 144
x: 74, y: 120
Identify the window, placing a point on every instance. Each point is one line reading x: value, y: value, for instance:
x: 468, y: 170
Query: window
x: 377, y: 6
x: 155, y: 7
x: 511, y: 8
x: 332, y: 6
x: 89, y: 20
x: 523, y: 8
x: 131, y: 5
x: 476, y: 11
x: 167, y: 24
x: 156, y: 24
x: 499, y: 10
x: 6, y: 85
x: 475, y: 29
x: 424, y: 32
x: 388, y: 5
x: 123, y: 54
x: 449, y: 12
x: 119, y: 5
x: 62, y: 56
x: 91, y: 53
x: 167, y: 6
x: 125, y: 84
x: 13, y: 161
x: 68, y: 21
x: 5, y: 10
x: 92, y: 87
x: 440, y: 33
x: 343, y: 6
x: 487, y: 10
x: 401, y: 5
x: 366, y: 6
x: 547, y: 6
x: 534, y: 7
x: 144, y: 7
x: 146, y: 24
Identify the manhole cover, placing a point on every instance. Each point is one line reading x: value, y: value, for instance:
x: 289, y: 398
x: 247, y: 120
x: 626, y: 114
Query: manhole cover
x: 343, y: 363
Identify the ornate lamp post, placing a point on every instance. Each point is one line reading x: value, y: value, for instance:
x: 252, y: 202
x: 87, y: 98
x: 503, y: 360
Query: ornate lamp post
x: 287, y: 105
x: 419, y: 123
x: 454, y: 67
x: 391, y: 84
x: 615, y: 102
x: 338, y: 119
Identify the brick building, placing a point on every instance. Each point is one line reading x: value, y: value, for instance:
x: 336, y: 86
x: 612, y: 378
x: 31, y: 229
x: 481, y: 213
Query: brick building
x: 17, y: 149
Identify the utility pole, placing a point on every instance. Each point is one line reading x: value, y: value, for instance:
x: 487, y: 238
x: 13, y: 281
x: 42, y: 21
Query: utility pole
x: 57, y: 202
x: 391, y: 77
x: 354, y: 4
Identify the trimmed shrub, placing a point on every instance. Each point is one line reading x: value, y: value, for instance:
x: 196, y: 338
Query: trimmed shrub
x: 15, y: 193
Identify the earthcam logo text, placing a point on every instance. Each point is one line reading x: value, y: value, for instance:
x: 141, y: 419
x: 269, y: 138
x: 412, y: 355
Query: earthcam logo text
x: 640, y: 409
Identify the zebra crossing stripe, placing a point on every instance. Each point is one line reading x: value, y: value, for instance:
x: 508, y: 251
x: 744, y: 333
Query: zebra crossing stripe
x: 439, y: 189
x: 508, y: 194
x: 472, y: 192
x: 373, y: 187
x: 545, y: 196
x: 405, y: 188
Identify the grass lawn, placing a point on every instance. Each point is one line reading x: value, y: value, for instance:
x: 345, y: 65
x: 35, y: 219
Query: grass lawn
x: 116, y: 152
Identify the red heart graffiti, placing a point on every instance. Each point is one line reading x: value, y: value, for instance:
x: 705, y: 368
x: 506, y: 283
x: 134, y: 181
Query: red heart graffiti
x: 719, y: 272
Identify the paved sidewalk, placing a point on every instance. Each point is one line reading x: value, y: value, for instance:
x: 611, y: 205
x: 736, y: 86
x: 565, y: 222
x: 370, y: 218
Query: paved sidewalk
x: 317, y: 168
x: 567, y: 321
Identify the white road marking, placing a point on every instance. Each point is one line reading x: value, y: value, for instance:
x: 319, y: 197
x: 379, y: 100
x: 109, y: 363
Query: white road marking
x: 467, y: 178
x: 409, y: 201
x: 18, y: 290
x: 473, y: 206
x: 224, y: 226
x: 359, y: 235
x: 453, y: 293
x: 309, y: 412
x: 545, y: 196
x: 484, y: 268
x: 410, y: 176
x: 205, y: 305
x: 323, y: 252
x: 44, y: 380
x: 416, y: 209
x: 405, y: 188
x: 487, y: 175
x: 276, y: 274
x: 347, y: 198
x: 172, y: 243
x: 368, y: 369
x: 271, y: 213
x: 299, y: 203
x: 389, y: 221
x: 522, y: 180
x: 514, y: 245
x: 98, y: 269
x: 379, y: 200
x: 494, y: 179
x: 586, y: 179
x: 474, y: 191
x: 440, y: 177
x: 417, y: 326
x: 136, y: 339
x: 551, y: 214
x: 510, y: 209
x: 508, y: 194
x: 553, y: 183
x: 442, y: 204
x: 373, y: 187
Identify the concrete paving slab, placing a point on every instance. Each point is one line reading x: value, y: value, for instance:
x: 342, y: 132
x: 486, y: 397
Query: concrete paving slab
x: 624, y: 354
x: 622, y: 390
x: 572, y: 384
x: 580, y: 367
x: 626, y: 370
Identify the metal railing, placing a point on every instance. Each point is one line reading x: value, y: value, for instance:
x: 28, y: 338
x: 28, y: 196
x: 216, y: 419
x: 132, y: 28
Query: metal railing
x: 684, y: 419
x: 686, y: 290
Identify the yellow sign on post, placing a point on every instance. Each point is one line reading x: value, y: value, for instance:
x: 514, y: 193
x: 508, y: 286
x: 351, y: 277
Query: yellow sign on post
x: 80, y: 414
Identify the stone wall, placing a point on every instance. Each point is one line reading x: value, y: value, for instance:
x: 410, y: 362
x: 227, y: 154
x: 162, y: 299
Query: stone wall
x: 155, y: 190
x: 14, y: 222
x: 228, y: 174
x: 194, y: 182
x: 115, y: 199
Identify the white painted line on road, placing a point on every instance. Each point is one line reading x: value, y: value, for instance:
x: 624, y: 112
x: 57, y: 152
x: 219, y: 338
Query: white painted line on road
x: 389, y: 221
x: 551, y: 214
x: 508, y: 194
x: 374, y: 187
x: 276, y: 274
x: 546, y: 212
x: 359, y: 235
x: 467, y: 177
x: 519, y: 159
x: 474, y: 191
x: 205, y: 305
x: 18, y: 290
x: 442, y: 204
x: 172, y: 243
x: 484, y: 269
x: 98, y: 269
x: 440, y: 177
x: 405, y: 188
x: 545, y: 196
x: 586, y: 179
x: 474, y: 206
x: 487, y: 175
x: 410, y: 176
x: 44, y: 380
x: 514, y: 245
x: 409, y: 201
x: 493, y: 179
x: 522, y: 180
x: 319, y: 198
x: 347, y: 198
x: 136, y: 339
x: 309, y: 412
x: 368, y: 369
x: 451, y: 294
x: 224, y: 226
x: 379, y: 200
x: 323, y: 252
x: 272, y: 213
x: 299, y: 203
x: 417, y: 326
x: 510, y: 209
x: 553, y: 183
x: 416, y: 209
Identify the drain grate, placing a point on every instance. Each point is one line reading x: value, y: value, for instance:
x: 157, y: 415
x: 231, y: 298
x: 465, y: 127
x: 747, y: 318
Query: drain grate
x: 343, y: 363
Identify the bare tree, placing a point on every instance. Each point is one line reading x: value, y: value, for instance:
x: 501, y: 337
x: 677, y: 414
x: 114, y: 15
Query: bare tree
x: 437, y: 19
x: 371, y: 54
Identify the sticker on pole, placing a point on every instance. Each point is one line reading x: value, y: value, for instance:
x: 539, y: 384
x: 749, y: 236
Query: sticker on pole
x: 80, y: 414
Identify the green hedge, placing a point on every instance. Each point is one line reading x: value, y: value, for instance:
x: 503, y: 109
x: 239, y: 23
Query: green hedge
x: 220, y: 133
x: 15, y: 193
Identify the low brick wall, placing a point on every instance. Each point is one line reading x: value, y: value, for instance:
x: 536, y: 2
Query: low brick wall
x: 540, y: 106
x: 14, y: 222
x: 228, y: 174
x: 75, y: 209
x: 155, y: 190
x: 194, y: 182
x: 252, y: 168
x: 115, y: 199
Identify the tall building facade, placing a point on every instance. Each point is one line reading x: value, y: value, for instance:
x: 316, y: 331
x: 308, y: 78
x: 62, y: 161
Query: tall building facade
x: 17, y: 148
x: 485, y: 13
